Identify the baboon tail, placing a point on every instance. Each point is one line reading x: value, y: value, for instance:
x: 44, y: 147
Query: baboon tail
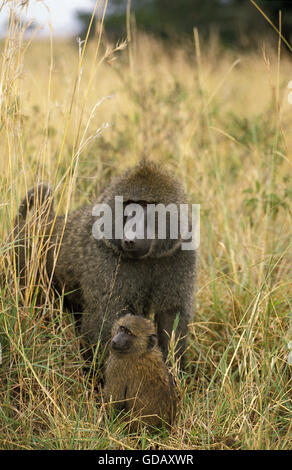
x: 39, y: 197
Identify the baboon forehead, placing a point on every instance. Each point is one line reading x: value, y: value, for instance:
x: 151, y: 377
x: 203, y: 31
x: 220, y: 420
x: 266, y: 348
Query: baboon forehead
x: 138, y: 325
x: 147, y: 182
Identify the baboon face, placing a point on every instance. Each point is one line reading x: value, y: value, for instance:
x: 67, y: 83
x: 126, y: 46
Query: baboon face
x: 136, y: 246
x: 141, y: 230
x: 133, y: 335
x: 123, y: 340
x: 143, y: 189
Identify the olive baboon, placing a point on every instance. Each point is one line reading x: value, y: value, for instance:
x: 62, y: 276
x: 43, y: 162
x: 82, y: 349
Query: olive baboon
x: 136, y: 378
x: 105, y: 278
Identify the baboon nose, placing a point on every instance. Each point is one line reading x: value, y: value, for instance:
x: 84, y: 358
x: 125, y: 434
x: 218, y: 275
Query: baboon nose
x: 128, y: 244
x: 114, y: 344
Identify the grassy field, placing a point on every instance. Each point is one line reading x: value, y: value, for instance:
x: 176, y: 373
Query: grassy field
x: 75, y: 115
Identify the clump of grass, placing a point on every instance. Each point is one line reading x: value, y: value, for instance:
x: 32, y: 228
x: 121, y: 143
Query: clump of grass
x: 217, y: 119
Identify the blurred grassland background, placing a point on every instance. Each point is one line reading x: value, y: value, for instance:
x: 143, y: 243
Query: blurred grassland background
x: 220, y: 120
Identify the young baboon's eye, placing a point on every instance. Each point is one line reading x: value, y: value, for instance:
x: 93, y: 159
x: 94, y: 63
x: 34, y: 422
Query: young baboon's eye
x: 126, y: 331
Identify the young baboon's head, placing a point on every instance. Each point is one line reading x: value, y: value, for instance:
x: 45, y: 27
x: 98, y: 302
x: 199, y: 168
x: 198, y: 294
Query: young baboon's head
x: 132, y: 334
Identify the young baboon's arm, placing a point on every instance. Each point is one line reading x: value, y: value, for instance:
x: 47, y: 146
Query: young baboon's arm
x: 115, y: 388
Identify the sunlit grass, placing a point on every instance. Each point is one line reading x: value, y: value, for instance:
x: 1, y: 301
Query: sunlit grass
x: 221, y: 121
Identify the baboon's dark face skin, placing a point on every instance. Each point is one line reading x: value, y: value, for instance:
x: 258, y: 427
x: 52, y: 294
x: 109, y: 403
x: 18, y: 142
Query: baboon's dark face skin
x: 135, y: 247
x: 140, y: 233
x: 122, y: 341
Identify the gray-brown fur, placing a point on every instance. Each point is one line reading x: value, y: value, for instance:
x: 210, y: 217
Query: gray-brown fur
x: 138, y: 380
x: 31, y: 235
x: 104, y: 282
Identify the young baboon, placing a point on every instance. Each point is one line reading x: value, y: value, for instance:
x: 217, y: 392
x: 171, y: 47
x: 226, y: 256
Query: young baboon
x: 136, y: 377
x: 104, y: 278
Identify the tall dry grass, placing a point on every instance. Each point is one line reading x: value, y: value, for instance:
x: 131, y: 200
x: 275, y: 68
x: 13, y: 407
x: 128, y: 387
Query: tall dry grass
x: 220, y: 120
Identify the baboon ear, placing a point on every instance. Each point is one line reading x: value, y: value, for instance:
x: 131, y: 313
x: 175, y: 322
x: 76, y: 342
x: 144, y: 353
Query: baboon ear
x: 152, y: 341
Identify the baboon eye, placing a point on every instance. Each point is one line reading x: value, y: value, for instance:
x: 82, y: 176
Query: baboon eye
x: 126, y: 331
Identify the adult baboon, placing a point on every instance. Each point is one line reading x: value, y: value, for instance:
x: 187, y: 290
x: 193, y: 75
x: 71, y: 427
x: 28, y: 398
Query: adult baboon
x: 136, y: 378
x: 107, y: 277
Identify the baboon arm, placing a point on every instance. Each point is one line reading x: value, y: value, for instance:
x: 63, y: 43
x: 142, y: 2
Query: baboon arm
x: 115, y: 390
